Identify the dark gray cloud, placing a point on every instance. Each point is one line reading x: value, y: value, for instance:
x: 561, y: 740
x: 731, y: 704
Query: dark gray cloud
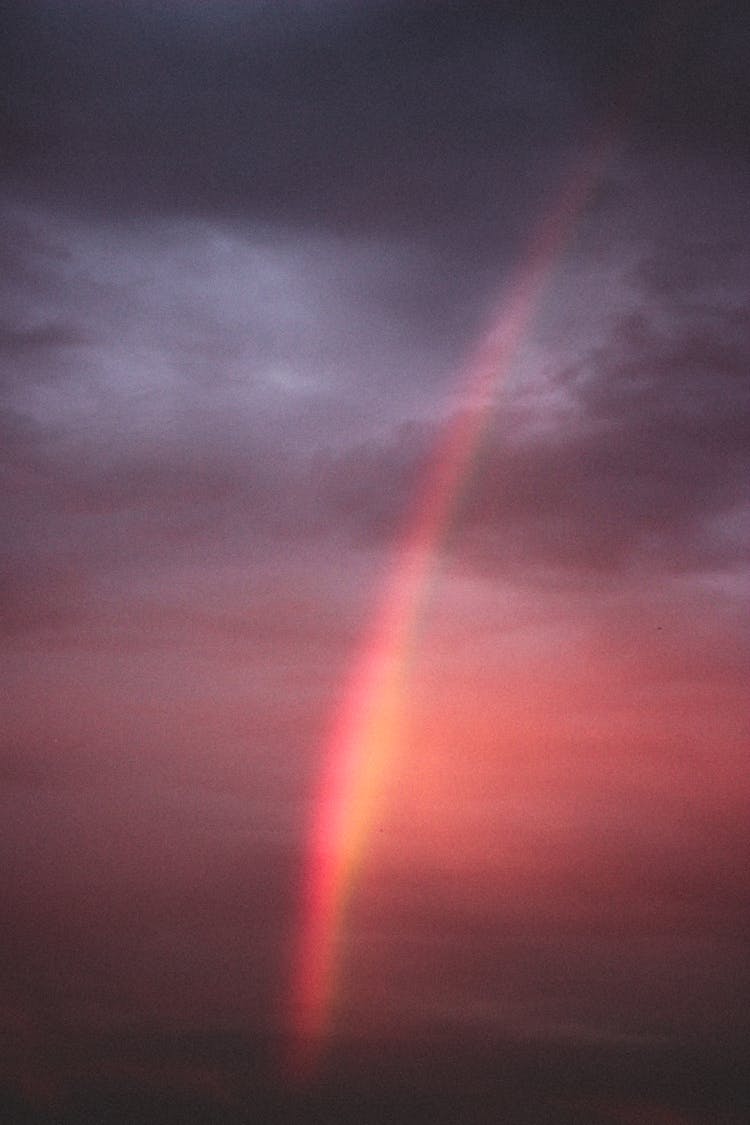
x: 376, y: 116
x: 264, y: 113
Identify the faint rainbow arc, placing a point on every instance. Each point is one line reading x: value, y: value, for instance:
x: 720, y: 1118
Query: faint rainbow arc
x: 361, y: 743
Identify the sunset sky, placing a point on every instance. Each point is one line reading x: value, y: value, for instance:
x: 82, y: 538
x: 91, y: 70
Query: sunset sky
x: 375, y: 561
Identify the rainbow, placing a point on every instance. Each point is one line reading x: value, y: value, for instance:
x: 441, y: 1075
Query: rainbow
x: 364, y: 735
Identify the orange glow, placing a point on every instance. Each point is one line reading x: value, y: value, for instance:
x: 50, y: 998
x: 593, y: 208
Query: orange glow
x: 365, y: 735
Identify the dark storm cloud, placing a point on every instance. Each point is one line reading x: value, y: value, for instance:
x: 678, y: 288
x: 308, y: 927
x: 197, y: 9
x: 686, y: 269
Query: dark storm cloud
x: 353, y: 116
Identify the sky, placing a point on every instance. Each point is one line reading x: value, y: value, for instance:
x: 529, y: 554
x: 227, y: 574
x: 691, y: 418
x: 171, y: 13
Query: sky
x: 375, y: 561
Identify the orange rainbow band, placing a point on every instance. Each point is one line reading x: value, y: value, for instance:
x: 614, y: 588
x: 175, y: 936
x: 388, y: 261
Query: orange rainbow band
x: 364, y: 735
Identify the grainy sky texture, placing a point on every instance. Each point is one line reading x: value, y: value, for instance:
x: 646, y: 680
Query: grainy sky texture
x: 248, y: 252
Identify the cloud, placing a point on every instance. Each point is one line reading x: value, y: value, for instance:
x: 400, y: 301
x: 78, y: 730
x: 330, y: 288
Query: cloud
x: 646, y: 460
x: 369, y: 117
x: 17, y: 342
